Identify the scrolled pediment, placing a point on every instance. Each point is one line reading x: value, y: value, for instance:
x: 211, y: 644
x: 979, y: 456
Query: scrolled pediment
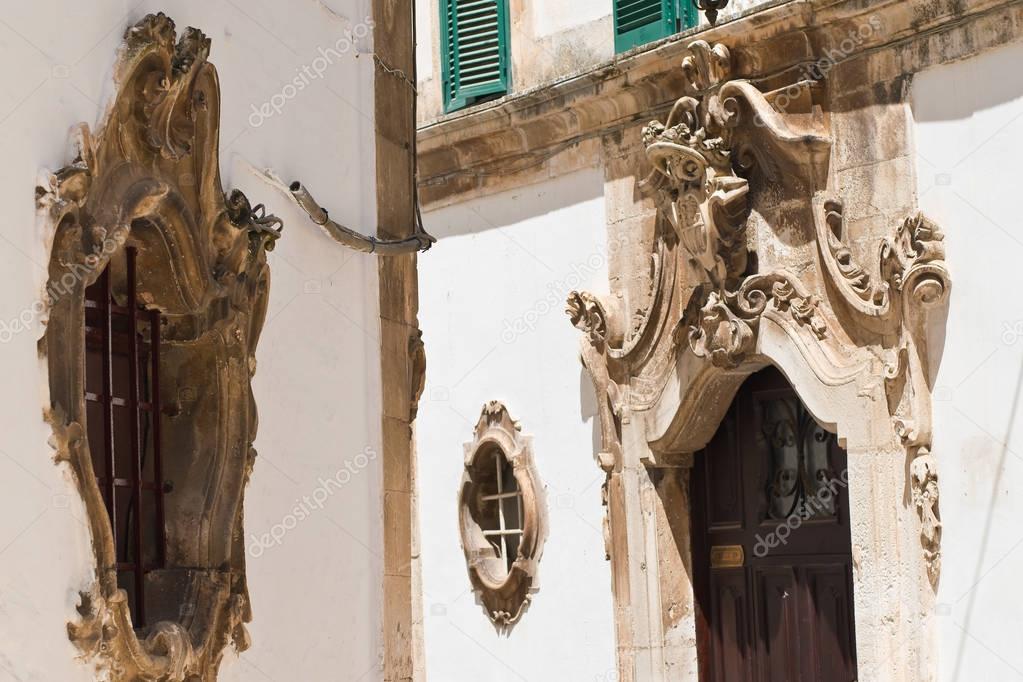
x: 723, y: 160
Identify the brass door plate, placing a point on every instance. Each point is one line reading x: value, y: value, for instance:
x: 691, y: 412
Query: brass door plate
x: 727, y: 556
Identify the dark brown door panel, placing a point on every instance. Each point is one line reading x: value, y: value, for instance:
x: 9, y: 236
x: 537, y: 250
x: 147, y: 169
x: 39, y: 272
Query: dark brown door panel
x: 771, y: 544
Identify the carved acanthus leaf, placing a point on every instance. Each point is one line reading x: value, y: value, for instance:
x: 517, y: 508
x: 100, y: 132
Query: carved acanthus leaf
x: 914, y: 262
x: 588, y: 315
x: 724, y: 330
x: 720, y: 334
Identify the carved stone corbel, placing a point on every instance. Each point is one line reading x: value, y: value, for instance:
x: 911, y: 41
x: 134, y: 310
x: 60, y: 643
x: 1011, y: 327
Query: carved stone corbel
x: 600, y: 327
x: 150, y: 180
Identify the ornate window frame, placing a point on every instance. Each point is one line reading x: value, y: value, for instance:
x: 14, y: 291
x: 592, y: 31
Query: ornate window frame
x: 150, y: 180
x: 503, y: 592
x: 753, y: 264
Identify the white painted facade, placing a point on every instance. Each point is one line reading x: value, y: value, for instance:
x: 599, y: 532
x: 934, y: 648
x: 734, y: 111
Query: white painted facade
x: 317, y: 593
x: 550, y: 40
x: 492, y: 292
x: 968, y: 129
x: 969, y: 138
x: 492, y: 295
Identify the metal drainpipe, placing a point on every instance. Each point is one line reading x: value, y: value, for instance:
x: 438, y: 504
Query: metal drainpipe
x: 419, y: 241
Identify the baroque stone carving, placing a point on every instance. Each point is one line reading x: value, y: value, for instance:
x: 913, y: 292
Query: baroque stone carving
x: 699, y: 159
x: 924, y: 483
x: 696, y: 186
x: 724, y: 330
x: 754, y: 264
x: 912, y: 279
x: 504, y: 585
x: 417, y: 371
x: 149, y: 179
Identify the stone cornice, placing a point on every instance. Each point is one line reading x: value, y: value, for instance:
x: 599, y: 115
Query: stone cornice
x: 772, y: 45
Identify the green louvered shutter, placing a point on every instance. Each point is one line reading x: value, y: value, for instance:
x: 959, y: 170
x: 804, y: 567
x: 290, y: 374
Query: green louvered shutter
x: 638, y: 22
x: 475, y: 50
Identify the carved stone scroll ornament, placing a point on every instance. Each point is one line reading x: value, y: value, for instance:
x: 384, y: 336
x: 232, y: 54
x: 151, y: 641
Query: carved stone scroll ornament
x: 590, y: 316
x: 149, y: 179
x: 911, y: 280
x: 725, y: 326
x: 504, y: 585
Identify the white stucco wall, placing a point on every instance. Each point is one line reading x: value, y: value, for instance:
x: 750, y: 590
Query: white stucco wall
x: 506, y: 263
x: 554, y: 16
x: 426, y: 38
x: 969, y: 136
x: 317, y: 596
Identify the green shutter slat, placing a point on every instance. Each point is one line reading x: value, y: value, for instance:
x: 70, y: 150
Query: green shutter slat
x: 638, y: 22
x: 475, y: 43
x: 635, y: 13
x: 688, y: 15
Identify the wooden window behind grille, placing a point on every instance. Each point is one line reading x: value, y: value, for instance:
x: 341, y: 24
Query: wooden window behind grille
x: 122, y: 389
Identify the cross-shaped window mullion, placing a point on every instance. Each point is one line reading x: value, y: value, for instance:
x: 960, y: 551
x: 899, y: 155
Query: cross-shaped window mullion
x: 518, y: 501
x: 499, y: 496
x: 498, y: 462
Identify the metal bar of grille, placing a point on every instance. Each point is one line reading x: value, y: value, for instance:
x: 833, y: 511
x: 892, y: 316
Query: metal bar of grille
x: 499, y: 463
x: 108, y: 410
x: 136, y: 445
x: 127, y: 483
x: 117, y: 402
x: 500, y: 496
x: 154, y: 417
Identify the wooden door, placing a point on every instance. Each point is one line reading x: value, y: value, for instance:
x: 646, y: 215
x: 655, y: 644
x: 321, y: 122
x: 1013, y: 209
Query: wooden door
x: 771, y: 547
